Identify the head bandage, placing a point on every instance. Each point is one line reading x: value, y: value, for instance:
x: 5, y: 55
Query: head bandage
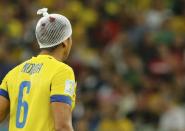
x: 52, y: 29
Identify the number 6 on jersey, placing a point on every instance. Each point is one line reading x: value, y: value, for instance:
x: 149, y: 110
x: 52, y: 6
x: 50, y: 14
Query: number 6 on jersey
x: 22, y: 105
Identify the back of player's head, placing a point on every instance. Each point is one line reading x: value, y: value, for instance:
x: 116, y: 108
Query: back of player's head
x: 52, y: 29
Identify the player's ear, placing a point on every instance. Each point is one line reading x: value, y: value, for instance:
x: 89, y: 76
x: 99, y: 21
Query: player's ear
x: 64, y: 44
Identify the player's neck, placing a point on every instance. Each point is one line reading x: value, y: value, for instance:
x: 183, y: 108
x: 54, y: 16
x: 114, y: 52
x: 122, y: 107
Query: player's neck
x: 55, y: 55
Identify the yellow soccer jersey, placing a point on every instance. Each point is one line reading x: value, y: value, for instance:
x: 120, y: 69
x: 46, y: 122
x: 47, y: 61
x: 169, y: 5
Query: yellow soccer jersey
x: 32, y: 86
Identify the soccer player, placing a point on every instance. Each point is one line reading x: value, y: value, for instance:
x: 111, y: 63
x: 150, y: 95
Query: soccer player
x: 39, y: 94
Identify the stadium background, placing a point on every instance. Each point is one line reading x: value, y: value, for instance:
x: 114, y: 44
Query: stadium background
x: 128, y: 57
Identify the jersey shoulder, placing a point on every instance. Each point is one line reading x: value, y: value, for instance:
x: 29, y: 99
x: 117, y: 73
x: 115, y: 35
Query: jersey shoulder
x: 64, y: 67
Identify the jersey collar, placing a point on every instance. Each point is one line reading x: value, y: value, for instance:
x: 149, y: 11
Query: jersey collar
x: 46, y: 56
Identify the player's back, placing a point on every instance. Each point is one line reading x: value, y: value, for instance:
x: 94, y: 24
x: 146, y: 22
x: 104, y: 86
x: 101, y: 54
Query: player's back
x: 30, y: 91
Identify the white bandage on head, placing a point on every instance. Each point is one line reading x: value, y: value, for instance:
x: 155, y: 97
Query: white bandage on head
x: 52, y: 29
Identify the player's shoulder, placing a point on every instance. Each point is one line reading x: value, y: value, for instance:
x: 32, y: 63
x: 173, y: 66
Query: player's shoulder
x: 64, y: 67
x: 64, y: 71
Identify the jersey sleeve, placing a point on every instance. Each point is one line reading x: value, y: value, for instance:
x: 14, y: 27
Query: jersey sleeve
x: 4, y: 88
x: 63, y: 87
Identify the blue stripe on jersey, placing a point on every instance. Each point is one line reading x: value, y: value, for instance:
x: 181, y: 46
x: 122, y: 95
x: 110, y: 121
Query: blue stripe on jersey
x: 4, y: 93
x: 61, y: 98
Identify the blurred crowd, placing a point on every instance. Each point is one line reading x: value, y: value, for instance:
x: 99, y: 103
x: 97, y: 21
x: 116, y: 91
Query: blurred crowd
x: 128, y: 57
